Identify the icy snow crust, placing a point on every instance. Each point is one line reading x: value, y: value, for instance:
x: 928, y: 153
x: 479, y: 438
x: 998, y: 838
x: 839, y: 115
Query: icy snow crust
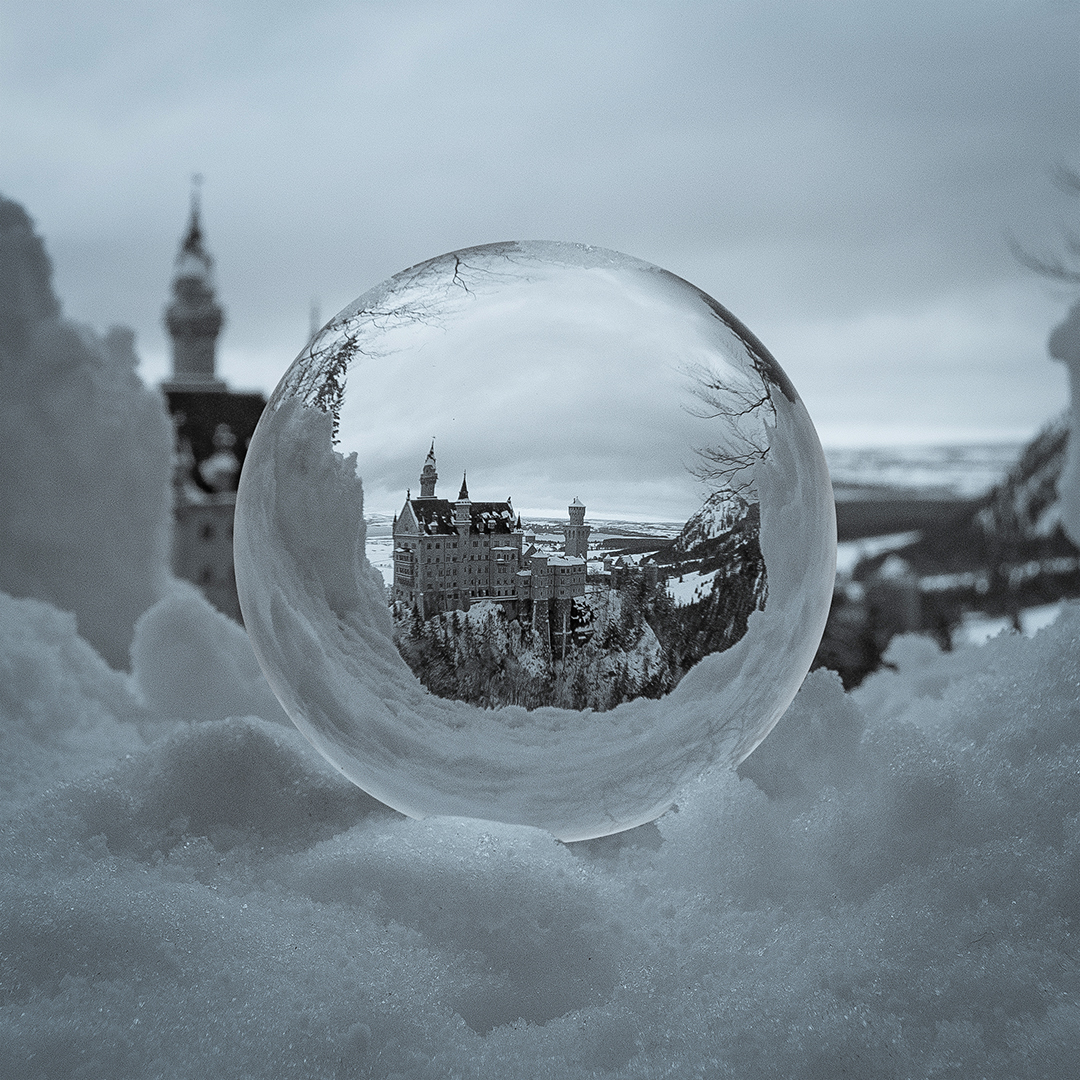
x: 890, y: 890
x: 317, y: 615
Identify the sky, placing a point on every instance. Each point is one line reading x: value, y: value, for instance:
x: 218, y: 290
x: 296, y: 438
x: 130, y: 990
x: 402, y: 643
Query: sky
x: 845, y: 177
x: 601, y: 380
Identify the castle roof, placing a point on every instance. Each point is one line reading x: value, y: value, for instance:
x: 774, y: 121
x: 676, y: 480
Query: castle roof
x: 435, y: 517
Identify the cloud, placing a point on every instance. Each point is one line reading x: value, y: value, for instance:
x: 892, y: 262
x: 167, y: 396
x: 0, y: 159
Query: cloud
x: 816, y: 157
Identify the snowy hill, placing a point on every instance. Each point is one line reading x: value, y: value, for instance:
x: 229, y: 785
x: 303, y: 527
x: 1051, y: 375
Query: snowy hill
x: 722, y: 514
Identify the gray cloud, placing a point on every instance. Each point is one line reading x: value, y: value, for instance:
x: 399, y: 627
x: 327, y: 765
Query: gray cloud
x: 814, y: 165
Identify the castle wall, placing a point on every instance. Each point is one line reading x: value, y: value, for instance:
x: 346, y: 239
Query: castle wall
x: 203, y: 550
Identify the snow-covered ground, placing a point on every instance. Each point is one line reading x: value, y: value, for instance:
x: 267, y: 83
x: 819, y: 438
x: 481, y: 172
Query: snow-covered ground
x: 977, y: 629
x: 380, y: 546
x: 850, y: 553
x: 889, y: 889
x: 690, y: 587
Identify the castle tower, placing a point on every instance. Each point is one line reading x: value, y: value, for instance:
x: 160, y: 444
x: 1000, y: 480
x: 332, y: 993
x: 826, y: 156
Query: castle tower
x: 193, y: 316
x: 463, y: 510
x: 213, y: 426
x: 577, y: 532
x: 428, y: 475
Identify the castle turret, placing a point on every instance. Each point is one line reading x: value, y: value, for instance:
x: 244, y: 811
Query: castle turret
x: 463, y: 509
x: 429, y: 475
x: 577, y: 532
x: 193, y: 316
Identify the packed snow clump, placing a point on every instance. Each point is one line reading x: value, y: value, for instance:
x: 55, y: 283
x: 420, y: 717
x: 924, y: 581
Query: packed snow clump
x: 190, y: 662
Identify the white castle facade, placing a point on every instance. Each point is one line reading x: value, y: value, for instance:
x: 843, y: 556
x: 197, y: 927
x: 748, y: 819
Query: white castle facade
x: 450, y: 555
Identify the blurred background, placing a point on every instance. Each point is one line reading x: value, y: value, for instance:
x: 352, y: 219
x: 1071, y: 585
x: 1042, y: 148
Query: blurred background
x: 866, y: 186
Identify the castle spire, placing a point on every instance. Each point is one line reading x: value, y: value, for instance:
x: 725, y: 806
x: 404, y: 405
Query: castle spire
x: 194, y: 317
x: 463, y: 510
x: 192, y: 244
x: 429, y: 475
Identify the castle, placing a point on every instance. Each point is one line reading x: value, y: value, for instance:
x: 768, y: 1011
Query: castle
x: 213, y: 426
x: 449, y: 555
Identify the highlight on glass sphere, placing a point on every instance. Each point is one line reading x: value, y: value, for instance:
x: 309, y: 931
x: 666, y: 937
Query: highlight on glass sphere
x: 535, y: 533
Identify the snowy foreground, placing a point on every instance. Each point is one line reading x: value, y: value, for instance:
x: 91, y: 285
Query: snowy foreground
x: 892, y: 890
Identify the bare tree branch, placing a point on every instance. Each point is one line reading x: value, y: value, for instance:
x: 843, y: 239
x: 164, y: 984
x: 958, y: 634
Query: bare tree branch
x: 726, y: 464
x: 1068, y: 180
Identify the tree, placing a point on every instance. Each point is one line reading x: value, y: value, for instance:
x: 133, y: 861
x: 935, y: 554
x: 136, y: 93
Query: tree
x: 1064, y: 345
x: 743, y: 407
x: 1067, y: 269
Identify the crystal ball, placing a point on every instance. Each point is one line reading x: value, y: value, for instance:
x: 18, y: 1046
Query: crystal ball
x: 535, y: 533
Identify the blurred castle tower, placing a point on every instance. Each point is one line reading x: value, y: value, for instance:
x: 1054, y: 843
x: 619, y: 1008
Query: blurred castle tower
x: 213, y: 426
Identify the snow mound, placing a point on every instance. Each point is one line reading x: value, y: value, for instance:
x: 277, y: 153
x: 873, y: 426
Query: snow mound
x: 86, y: 451
x: 63, y: 710
x: 190, y: 662
x: 889, y: 889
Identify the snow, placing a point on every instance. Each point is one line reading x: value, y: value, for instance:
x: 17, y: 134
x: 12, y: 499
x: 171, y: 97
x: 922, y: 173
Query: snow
x: 1064, y: 345
x: 977, y: 629
x: 890, y: 887
x: 849, y: 553
x: 85, y: 452
x: 690, y: 587
x: 965, y: 471
x: 889, y: 890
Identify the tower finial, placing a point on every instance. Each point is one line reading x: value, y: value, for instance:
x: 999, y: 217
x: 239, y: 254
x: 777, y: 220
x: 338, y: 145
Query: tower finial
x: 194, y: 317
x: 193, y: 241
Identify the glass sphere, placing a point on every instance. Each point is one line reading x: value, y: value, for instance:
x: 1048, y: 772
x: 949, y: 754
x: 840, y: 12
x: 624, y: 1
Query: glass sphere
x: 536, y: 533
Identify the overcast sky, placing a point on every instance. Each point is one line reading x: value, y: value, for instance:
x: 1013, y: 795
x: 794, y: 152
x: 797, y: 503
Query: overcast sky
x: 841, y: 175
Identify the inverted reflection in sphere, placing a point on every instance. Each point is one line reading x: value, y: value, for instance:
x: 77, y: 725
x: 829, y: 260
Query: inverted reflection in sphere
x: 505, y: 404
